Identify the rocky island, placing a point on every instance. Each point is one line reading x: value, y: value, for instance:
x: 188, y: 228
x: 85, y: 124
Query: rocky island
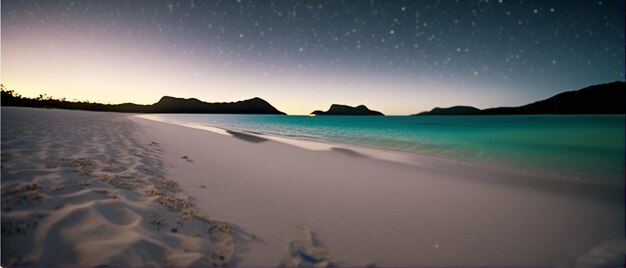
x: 339, y: 109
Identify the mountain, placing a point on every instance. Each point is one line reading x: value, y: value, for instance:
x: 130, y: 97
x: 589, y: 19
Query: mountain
x: 164, y: 105
x: 338, y: 109
x: 192, y: 106
x: 597, y: 99
x: 454, y: 110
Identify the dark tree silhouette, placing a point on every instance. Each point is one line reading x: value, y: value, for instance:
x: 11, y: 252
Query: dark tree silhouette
x: 165, y: 105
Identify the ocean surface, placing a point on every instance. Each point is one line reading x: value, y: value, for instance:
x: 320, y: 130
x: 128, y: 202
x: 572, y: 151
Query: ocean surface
x: 587, y: 147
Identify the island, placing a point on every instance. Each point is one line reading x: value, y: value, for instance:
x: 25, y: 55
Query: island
x: 339, y: 109
x: 597, y: 99
x: 454, y: 110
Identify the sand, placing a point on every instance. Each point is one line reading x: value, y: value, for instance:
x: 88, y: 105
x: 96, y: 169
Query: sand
x: 84, y: 189
x: 89, y: 189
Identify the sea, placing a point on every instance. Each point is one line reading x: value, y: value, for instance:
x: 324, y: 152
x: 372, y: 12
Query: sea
x: 587, y: 147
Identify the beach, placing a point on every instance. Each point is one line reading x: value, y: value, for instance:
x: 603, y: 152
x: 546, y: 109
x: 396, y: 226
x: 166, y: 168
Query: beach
x: 94, y: 189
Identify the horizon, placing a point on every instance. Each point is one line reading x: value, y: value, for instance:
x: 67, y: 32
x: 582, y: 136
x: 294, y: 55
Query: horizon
x: 311, y: 113
x: 399, y: 58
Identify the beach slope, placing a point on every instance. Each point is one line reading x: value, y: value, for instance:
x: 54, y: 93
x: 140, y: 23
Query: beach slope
x: 319, y: 203
x: 106, y: 189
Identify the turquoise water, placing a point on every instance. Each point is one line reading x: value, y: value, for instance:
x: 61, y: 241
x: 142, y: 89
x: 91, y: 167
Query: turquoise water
x: 589, y: 146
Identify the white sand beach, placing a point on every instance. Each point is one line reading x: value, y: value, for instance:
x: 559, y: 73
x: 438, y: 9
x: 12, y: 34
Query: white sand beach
x: 95, y: 189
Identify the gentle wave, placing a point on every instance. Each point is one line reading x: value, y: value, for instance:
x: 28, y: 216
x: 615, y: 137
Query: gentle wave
x: 588, y: 146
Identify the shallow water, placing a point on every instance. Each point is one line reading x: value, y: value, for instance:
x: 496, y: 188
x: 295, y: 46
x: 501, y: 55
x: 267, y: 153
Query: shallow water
x: 588, y: 147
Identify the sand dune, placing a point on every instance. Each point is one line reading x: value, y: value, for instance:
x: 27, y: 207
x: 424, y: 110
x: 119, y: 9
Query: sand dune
x: 106, y: 189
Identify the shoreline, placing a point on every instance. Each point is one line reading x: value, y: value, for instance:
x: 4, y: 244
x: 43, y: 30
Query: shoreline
x: 409, y: 157
x: 78, y: 184
x: 270, y: 188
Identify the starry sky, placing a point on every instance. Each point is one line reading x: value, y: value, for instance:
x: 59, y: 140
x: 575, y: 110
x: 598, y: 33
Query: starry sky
x: 398, y: 57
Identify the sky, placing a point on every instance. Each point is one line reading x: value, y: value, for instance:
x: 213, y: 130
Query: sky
x: 397, y: 57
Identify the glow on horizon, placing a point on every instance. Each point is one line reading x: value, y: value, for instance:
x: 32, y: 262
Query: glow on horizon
x: 66, y: 65
x: 111, y: 53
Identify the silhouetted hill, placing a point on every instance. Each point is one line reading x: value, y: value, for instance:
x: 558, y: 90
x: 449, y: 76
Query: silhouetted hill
x: 338, y: 109
x: 165, y: 105
x: 598, y: 99
x: 455, y: 110
x: 177, y: 105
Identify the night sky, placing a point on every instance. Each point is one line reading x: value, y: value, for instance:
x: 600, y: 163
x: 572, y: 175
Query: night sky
x: 399, y: 57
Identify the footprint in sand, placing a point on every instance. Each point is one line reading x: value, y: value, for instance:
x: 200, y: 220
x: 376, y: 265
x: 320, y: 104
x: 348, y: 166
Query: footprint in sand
x: 307, y: 250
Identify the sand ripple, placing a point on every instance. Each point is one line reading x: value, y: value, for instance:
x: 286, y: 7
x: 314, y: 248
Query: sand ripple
x: 80, y: 189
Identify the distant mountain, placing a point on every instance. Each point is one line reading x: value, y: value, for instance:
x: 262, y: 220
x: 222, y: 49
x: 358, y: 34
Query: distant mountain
x: 165, y: 105
x: 598, y: 99
x: 338, y: 109
x: 454, y: 110
x: 194, y: 106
